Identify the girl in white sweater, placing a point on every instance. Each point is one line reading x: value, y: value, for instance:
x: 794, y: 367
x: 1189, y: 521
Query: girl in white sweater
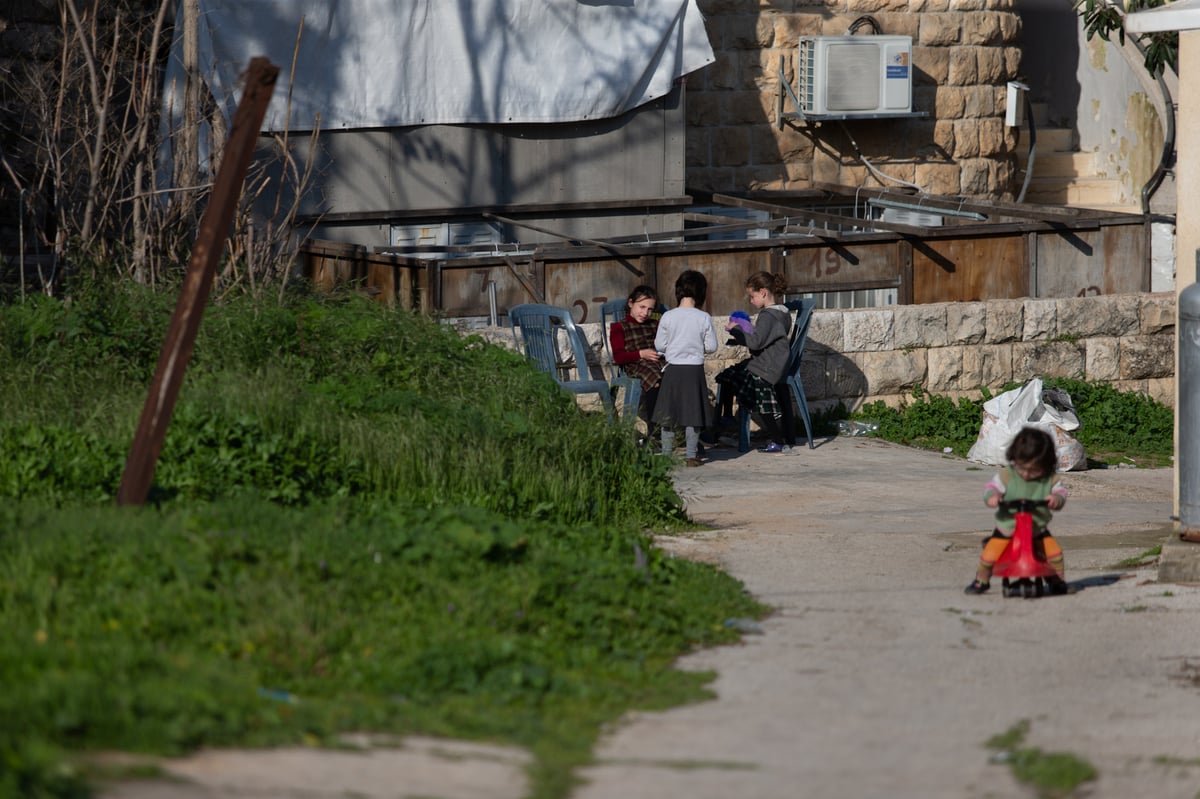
x: 685, y: 335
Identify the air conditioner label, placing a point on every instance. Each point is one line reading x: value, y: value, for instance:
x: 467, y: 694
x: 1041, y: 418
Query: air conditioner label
x: 897, y: 66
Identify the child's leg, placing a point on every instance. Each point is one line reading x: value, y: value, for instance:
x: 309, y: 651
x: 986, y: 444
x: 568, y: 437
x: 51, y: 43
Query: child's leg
x: 691, y: 439
x: 726, y: 406
x: 774, y: 431
x: 1054, y: 555
x: 646, y: 412
x: 992, y: 551
x: 728, y: 381
x: 668, y: 441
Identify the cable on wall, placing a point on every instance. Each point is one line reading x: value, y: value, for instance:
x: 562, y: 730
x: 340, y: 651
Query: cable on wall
x: 880, y: 176
x: 865, y: 19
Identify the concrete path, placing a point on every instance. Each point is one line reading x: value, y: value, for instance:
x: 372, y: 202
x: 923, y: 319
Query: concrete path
x: 875, y: 676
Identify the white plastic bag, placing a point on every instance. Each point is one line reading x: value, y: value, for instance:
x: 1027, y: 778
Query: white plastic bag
x: 1006, y: 414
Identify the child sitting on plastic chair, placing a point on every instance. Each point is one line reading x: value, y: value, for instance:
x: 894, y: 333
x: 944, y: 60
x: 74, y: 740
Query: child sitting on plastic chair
x: 632, y: 342
x: 753, y: 380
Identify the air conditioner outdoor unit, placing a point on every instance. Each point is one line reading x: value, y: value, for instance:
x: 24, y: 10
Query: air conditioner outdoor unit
x: 855, y: 76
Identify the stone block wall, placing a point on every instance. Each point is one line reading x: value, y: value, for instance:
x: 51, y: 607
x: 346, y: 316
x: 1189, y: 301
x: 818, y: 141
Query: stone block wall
x: 855, y: 356
x: 954, y: 349
x: 964, y: 54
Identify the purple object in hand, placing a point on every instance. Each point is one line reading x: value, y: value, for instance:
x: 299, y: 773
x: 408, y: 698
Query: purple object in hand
x: 742, y: 320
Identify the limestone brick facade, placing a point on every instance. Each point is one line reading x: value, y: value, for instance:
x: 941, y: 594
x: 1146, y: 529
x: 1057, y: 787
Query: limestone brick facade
x: 964, y: 54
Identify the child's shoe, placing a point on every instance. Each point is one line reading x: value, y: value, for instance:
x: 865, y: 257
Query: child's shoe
x: 774, y: 446
x: 1057, y: 586
x: 977, y: 587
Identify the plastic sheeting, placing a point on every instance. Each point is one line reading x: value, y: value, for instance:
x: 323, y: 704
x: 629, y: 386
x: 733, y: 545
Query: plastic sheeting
x: 386, y: 63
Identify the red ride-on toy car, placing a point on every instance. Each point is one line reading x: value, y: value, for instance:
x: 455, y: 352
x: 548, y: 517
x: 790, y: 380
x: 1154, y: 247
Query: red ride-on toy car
x: 1022, y: 565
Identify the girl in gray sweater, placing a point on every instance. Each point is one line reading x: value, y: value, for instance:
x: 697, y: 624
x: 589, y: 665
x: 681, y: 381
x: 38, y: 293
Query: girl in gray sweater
x: 753, y: 380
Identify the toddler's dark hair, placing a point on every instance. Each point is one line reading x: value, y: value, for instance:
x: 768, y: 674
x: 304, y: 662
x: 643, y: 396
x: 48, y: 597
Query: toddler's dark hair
x: 642, y: 292
x: 691, y: 284
x: 1033, y: 445
x: 774, y: 283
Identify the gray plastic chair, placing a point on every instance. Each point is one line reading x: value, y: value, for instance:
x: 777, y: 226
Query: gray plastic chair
x: 538, y: 330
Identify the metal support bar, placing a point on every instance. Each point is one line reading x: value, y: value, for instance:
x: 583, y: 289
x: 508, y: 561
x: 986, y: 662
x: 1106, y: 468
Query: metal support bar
x: 1040, y: 213
x: 785, y: 86
x: 538, y: 228
x: 636, y: 204
x: 817, y: 216
x: 884, y: 202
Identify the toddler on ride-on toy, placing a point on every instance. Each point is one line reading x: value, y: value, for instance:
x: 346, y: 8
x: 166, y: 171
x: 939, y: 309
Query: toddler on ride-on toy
x: 1029, y: 476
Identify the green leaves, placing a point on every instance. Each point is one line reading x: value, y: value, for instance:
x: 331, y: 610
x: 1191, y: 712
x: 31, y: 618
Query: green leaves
x: 1119, y: 422
x: 928, y: 420
x: 398, y: 528
x: 1103, y: 19
x: 57, y: 463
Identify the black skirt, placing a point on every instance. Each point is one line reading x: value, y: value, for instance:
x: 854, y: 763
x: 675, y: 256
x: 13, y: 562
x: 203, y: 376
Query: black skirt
x: 683, y: 398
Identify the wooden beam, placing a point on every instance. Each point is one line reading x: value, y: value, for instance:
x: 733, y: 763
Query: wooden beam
x: 635, y: 206
x: 529, y: 287
x: 181, y: 335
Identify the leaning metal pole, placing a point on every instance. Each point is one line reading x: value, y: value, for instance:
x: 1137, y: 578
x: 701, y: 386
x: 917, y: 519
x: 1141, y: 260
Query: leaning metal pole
x: 181, y: 336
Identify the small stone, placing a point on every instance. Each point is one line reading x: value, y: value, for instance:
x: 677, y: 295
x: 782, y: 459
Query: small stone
x: 745, y: 626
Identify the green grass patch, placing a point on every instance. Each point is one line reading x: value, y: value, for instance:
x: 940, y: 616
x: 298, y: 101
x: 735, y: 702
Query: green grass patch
x: 1115, y: 427
x: 1052, y: 775
x: 359, y: 521
x: 1147, y: 557
x: 928, y: 421
x: 1168, y: 760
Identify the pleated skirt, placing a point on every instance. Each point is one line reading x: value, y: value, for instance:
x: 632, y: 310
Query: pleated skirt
x: 683, y: 398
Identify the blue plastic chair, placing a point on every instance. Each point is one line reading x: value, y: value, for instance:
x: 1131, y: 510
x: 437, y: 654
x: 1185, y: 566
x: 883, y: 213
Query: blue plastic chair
x: 790, y: 385
x: 538, y: 329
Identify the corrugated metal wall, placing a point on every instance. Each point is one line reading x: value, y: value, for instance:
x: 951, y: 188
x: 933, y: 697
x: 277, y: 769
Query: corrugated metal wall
x: 366, y: 181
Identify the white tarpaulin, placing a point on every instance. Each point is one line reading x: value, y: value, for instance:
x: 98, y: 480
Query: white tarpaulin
x: 385, y: 63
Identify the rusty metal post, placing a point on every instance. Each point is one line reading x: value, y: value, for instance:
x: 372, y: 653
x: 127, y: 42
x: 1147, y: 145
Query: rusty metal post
x: 181, y: 336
